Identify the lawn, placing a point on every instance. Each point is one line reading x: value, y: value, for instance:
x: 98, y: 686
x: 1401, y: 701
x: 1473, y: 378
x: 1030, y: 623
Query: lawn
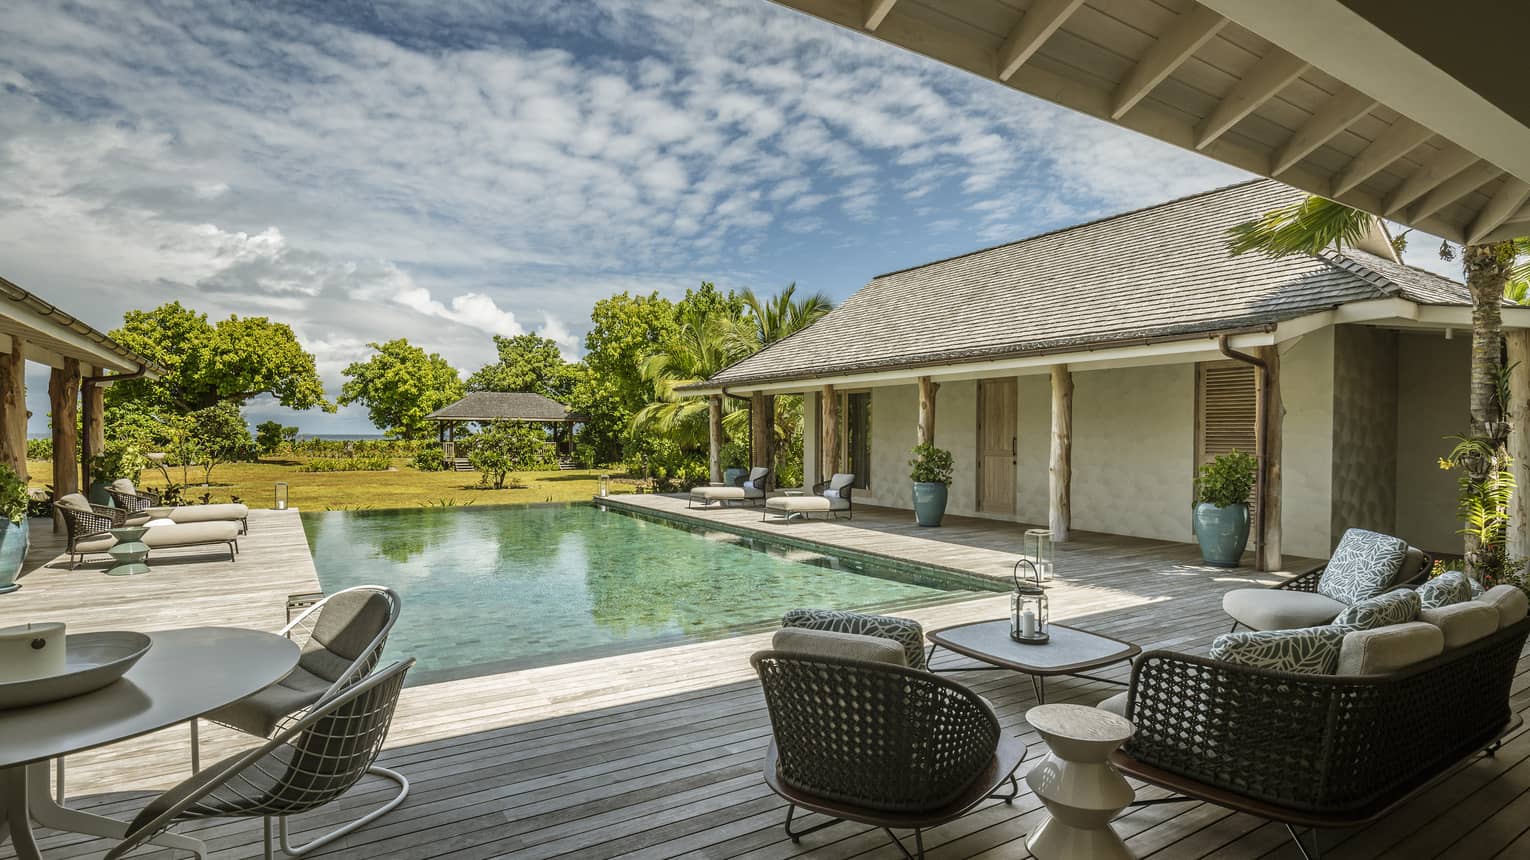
x: 402, y: 487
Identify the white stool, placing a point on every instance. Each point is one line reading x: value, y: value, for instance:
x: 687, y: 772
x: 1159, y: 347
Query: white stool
x: 1077, y: 783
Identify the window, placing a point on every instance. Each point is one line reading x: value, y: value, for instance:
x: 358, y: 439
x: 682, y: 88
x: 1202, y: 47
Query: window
x: 857, y: 438
x: 1227, y: 410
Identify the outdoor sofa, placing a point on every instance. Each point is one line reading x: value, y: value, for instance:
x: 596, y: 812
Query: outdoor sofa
x: 830, y: 498
x: 748, y: 490
x: 1306, y: 601
x: 137, y: 503
x: 88, y: 529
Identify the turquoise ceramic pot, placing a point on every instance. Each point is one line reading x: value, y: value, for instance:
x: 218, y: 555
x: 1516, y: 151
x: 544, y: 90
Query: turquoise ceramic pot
x: 1222, y: 532
x: 929, y: 503
x: 97, y: 493
x: 13, y: 551
x: 732, y: 476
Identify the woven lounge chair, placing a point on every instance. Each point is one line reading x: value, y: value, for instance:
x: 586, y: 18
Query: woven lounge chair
x: 137, y: 501
x: 743, y: 490
x: 310, y: 763
x: 830, y: 498
x: 88, y: 530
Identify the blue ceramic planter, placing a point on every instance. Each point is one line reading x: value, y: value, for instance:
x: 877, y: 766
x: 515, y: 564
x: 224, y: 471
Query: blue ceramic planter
x: 1222, y: 533
x: 13, y: 551
x: 929, y: 503
x: 732, y: 476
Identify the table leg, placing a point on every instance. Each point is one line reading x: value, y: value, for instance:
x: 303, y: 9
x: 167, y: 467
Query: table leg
x: 13, y: 808
x: 37, y: 802
x: 1039, y: 686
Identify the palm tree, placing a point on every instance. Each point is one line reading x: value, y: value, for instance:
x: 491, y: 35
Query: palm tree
x: 766, y: 321
x: 1316, y: 224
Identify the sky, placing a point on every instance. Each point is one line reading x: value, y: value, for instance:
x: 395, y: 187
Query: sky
x: 449, y: 171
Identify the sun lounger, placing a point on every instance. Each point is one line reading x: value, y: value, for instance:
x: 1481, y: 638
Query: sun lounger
x: 141, y: 505
x: 748, y: 490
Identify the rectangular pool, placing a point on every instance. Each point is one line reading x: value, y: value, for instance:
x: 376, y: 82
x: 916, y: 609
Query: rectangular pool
x: 490, y: 589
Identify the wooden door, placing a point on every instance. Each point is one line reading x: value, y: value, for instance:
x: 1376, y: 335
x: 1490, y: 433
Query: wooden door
x: 996, y: 446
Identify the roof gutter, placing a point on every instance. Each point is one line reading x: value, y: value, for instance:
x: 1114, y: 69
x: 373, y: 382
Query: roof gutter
x: 1262, y: 440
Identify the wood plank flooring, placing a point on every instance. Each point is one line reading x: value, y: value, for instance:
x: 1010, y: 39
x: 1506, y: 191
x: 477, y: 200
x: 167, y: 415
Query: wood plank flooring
x: 657, y: 754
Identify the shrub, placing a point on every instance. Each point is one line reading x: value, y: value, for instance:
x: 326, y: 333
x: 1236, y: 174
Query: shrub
x: 1226, y: 480
x: 39, y: 449
x: 506, y: 448
x: 931, y: 465
x: 348, y: 464
x: 40, y: 505
x: 13, y: 496
x: 118, y: 460
x: 429, y: 460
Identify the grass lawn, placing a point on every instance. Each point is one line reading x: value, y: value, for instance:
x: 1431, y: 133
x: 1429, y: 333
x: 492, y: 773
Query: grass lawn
x: 404, y: 487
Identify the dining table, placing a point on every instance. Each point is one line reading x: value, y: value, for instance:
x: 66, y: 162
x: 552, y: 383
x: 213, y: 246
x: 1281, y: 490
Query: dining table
x: 185, y: 673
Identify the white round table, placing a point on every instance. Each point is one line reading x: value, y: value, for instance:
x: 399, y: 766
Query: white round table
x: 186, y: 673
x: 1081, y: 790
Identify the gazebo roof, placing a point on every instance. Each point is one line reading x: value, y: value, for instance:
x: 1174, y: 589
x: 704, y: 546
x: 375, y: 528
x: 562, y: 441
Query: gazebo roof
x: 505, y: 406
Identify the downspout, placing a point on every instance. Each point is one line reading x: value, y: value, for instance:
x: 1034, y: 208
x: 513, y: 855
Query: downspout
x: 1224, y: 346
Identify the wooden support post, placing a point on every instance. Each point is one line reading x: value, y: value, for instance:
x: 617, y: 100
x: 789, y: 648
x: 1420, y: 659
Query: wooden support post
x: 828, y: 451
x: 927, y: 389
x: 1518, y: 343
x: 1272, y: 417
x: 1060, y: 469
x: 760, y: 432
x: 714, y: 438
x: 92, y: 428
x: 64, y: 408
x: 13, y: 408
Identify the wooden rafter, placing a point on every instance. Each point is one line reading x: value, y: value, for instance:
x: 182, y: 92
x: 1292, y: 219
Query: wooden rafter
x: 1269, y: 76
x: 1453, y: 189
x: 1039, y: 22
x: 1390, y: 145
x: 1507, y: 200
x: 1336, y: 114
x: 1449, y: 161
x: 875, y: 11
x: 1183, y: 38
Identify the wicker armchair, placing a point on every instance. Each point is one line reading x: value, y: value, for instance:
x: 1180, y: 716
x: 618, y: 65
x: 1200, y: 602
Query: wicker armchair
x: 880, y: 744
x: 133, y: 502
x: 80, y: 524
x: 310, y: 763
x: 1244, y: 605
x: 1315, y: 751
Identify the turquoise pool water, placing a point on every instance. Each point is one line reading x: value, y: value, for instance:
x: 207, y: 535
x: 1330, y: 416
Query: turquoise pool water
x: 497, y: 588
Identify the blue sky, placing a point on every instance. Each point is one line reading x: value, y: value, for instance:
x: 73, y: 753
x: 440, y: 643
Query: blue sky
x: 448, y: 171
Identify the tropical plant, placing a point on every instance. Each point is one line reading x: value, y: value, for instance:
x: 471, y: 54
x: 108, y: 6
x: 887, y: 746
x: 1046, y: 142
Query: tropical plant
x: 510, y: 447
x: 13, y: 496
x: 1226, y: 480
x: 271, y: 435
x: 399, y: 385
x: 1483, y: 504
x: 429, y: 460
x: 766, y: 321
x: 217, y: 435
x: 117, y: 460
x: 40, y: 504
x: 931, y: 465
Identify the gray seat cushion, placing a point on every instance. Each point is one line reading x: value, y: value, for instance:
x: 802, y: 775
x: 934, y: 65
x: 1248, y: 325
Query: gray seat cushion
x: 724, y: 494
x: 1463, y: 623
x: 74, y: 502
x: 190, y: 534
x: 1364, y: 564
x: 1278, y: 609
x: 209, y: 513
x: 1115, y: 704
x: 1510, y: 602
x: 261, y: 713
x: 1387, y: 649
x: 907, y: 632
x: 830, y: 643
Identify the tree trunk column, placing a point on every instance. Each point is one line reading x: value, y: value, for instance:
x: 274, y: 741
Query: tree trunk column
x: 63, y: 403
x: 714, y: 439
x: 926, y: 430
x: 1518, y: 342
x: 1272, y: 417
x: 92, y: 427
x: 13, y: 408
x: 1060, y: 468
x: 760, y: 421
x: 829, y: 429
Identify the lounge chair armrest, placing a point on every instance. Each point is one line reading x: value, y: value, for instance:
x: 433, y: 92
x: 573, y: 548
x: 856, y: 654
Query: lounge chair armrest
x: 1305, y: 581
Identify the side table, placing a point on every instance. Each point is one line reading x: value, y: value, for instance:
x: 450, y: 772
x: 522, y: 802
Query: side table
x: 129, y: 552
x: 1082, y: 791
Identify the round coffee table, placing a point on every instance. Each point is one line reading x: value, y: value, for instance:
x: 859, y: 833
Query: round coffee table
x: 1082, y: 791
x: 130, y: 552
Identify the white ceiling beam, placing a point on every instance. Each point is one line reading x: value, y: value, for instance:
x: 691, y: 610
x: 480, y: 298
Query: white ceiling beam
x: 1269, y: 76
x: 1453, y: 189
x: 1507, y: 200
x: 1402, y: 138
x: 1181, y: 40
x: 1446, y: 163
x: 875, y: 11
x: 1336, y: 114
x: 1035, y: 27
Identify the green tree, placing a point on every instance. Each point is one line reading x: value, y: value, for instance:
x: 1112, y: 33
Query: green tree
x: 207, y: 363
x: 778, y: 317
x: 1316, y: 224
x: 625, y: 330
x: 268, y: 435
x: 399, y: 385
x: 217, y: 435
x: 527, y: 362
x: 507, y: 447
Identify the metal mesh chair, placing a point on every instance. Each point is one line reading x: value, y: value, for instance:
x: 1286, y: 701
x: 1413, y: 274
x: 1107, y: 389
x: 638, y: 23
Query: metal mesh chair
x: 133, y: 502
x: 83, y: 520
x: 311, y: 762
x: 880, y: 744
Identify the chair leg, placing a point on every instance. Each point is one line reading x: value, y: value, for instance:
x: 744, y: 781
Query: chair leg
x: 196, y: 747
x: 796, y: 835
x: 266, y: 827
x: 375, y: 770
x: 918, y: 844
x: 1234, y: 628
x: 1317, y: 847
x: 1013, y: 793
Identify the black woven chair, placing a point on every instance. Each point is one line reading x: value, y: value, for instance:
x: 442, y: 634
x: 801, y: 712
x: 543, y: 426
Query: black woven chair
x: 1315, y: 751
x: 81, y: 525
x: 141, y: 500
x: 879, y: 744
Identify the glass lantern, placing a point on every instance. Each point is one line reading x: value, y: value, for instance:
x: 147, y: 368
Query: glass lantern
x: 605, y: 486
x: 1028, y: 622
x: 281, y: 495
x: 1038, y: 548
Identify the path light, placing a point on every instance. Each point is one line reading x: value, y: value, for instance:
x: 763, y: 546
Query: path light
x: 1038, y: 548
x: 281, y: 495
x: 605, y: 486
x: 1028, y: 607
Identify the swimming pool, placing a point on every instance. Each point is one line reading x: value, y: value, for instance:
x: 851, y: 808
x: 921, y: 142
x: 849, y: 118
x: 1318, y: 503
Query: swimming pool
x: 489, y: 589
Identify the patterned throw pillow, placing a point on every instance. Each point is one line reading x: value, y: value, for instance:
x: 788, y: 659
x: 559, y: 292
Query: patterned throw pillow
x: 1363, y: 565
x: 1309, y: 650
x: 904, y: 631
x: 1387, y: 608
x: 1452, y: 586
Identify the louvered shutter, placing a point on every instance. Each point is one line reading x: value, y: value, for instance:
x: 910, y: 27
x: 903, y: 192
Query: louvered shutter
x: 1227, y: 410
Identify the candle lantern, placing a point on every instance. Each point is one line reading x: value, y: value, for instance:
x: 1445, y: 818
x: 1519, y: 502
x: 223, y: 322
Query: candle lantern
x: 1038, y: 548
x: 1028, y: 606
x: 605, y: 486
x: 281, y: 495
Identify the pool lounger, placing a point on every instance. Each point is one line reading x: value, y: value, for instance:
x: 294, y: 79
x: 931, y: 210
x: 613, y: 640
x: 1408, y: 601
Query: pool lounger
x: 751, y: 491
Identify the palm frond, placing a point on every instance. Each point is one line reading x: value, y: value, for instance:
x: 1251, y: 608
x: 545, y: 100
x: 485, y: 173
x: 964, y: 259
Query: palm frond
x: 1313, y: 225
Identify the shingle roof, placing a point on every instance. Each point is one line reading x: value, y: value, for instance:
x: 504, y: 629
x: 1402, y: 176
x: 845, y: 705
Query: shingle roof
x: 501, y: 406
x: 1158, y: 272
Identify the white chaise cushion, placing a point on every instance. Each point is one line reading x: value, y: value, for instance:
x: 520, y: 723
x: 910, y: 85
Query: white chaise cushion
x: 1510, y: 601
x: 1463, y: 623
x: 1387, y: 649
x: 1279, y: 609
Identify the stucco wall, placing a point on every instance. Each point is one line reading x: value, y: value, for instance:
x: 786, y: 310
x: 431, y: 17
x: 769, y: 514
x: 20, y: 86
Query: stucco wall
x: 956, y: 431
x: 1433, y: 403
x: 1133, y: 446
x: 1306, y: 387
x: 1364, y: 430
x: 894, y: 423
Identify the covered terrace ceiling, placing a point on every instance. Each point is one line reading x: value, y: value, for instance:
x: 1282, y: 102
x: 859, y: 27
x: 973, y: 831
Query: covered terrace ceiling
x: 1399, y: 107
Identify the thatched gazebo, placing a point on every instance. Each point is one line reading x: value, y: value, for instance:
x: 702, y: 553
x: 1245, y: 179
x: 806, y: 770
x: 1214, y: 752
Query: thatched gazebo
x: 488, y: 407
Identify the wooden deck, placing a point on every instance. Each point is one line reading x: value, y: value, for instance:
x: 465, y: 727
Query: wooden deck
x: 657, y: 754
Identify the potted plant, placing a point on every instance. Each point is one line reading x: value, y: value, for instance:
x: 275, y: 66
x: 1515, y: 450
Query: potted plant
x: 14, y: 534
x: 1221, y: 510
x: 932, y: 478
x: 117, y: 460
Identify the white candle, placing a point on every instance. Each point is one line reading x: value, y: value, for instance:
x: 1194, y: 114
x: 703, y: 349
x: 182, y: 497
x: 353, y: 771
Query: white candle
x: 30, y: 651
x: 1028, y: 624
